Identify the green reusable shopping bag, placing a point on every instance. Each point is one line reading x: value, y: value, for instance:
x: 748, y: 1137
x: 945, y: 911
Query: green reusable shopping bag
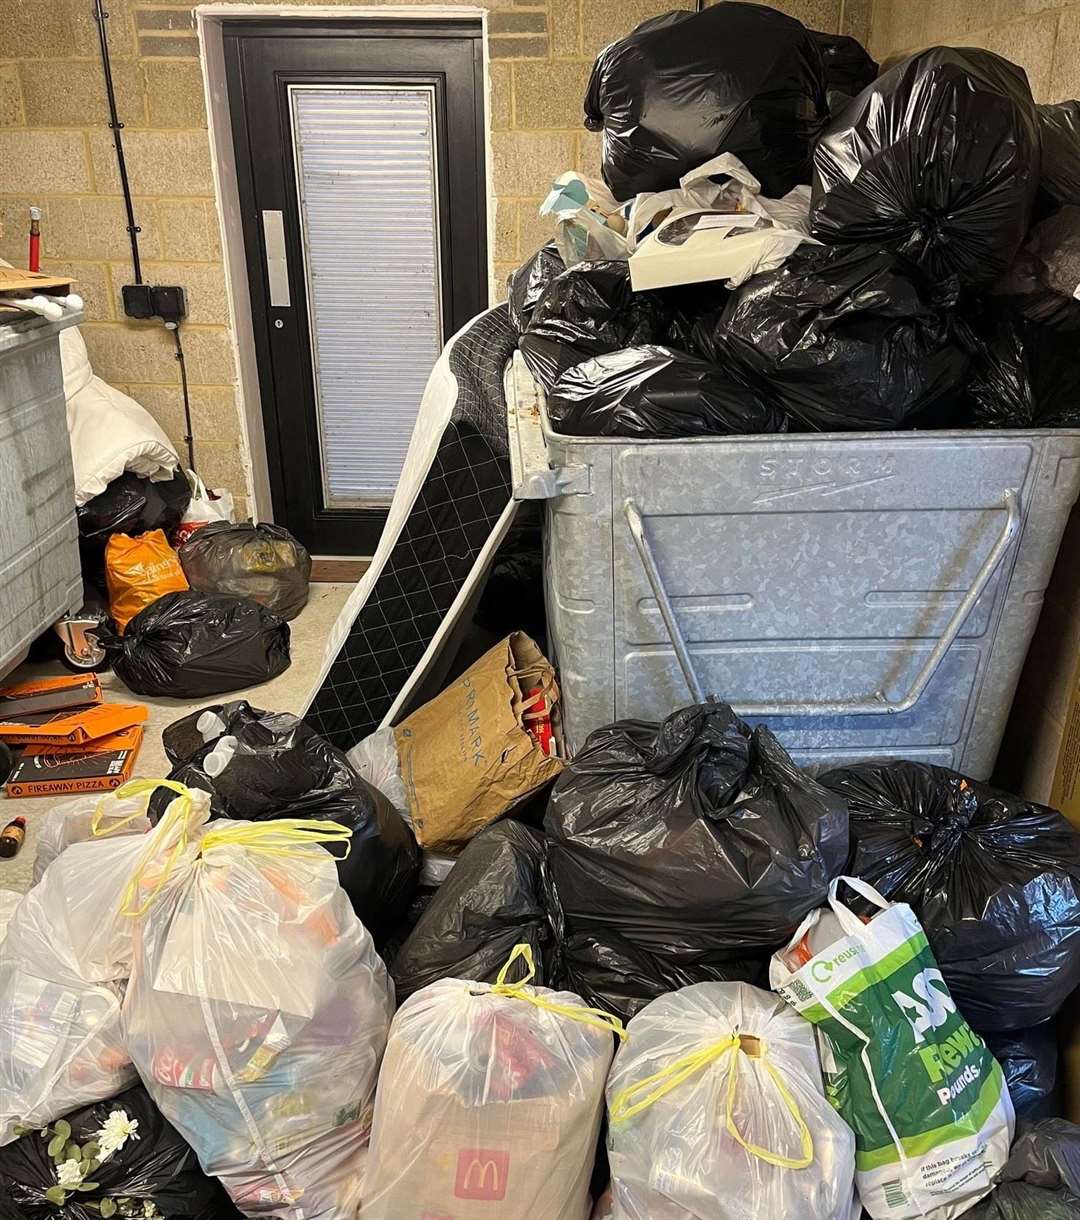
x: 927, y: 1101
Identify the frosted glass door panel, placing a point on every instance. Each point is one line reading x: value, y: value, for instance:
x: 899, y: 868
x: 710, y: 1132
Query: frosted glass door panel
x: 367, y: 182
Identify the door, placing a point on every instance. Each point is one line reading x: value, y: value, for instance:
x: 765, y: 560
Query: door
x: 360, y: 170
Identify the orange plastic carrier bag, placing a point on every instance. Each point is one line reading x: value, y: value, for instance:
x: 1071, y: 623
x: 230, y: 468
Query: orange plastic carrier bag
x: 138, y: 571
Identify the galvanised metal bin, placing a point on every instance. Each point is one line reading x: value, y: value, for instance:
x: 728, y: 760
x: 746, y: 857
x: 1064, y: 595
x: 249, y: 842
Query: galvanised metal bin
x: 40, y: 576
x: 868, y: 595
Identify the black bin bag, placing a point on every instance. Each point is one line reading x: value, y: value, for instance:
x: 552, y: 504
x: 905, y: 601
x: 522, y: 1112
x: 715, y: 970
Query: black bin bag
x: 848, y: 67
x: 1041, y: 1178
x: 491, y: 900
x: 189, y: 645
x: 937, y: 160
x: 587, y: 311
x: 1029, y: 1059
x: 526, y: 285
x: 993, y: 879
x: 263, y: 562
x: 610, y: 973
x: 736, y: 78
x: 1059, y: 126
x: 842, y: 339
x: 133, y: 505
x: 259, y: 765
x: 157, y: 1167
x: 1042, y: 282
x: 653, y: 391
x: 697, y: 843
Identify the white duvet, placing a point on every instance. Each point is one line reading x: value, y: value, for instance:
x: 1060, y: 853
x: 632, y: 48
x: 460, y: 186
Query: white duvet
x: 109, y: 431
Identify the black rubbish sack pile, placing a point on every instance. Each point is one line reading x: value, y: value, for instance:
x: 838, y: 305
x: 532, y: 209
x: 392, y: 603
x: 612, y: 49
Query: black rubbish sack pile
x: 938, y: 161
x: 263, y: 562
x: 529, y: 282
x: 653, y: 391
x: 190, y: 645
x: 696, y: 843
x: 492, y: 900
x: 841, y: 338
x: 736, y: 78
x: 154, y: 1165
x: 993, y: 879
x: 1041, y: 1178
x: 259, y: 765
x: 1029, y: 1059
x: 129, y: 505
x: 586, y: 311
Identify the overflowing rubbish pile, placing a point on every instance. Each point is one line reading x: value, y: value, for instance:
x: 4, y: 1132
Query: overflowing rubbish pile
x: 444, y: 967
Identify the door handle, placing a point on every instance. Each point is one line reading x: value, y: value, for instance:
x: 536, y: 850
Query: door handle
x: 277, y: 268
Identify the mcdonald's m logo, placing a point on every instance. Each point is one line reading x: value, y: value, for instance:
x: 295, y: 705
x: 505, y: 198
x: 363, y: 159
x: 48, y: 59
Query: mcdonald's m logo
x: 482, y: 1174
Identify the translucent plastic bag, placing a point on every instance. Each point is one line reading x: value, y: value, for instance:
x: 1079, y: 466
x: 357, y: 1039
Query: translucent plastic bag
x: 258, y: 1010
x: 490, y: 1103
x: 717, y: 1110
x: 263, y: 562
x: 86, y: 818
x: 9, y: 900
x: 63, y: 965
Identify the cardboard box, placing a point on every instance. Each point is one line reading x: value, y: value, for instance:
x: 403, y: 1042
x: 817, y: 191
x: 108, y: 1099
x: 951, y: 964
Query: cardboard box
x: 124, y: 739
x: 43, y: 771
x: 48, y: 695
x: 75, y: 727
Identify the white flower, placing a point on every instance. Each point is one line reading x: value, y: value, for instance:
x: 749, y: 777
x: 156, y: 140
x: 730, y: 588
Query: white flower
x: 69, y: 1173
x: 115, y: 1133
x: 150, y: 1211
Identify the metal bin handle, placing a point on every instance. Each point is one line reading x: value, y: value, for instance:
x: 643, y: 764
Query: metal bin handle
x: 878, y: 702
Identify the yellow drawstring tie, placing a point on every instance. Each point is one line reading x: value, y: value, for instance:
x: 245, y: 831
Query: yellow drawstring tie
x: 674, y: 1074
x: 134, y: 787
x: 278, y: 838
x: 595, y: 1017
x: 178, y: 814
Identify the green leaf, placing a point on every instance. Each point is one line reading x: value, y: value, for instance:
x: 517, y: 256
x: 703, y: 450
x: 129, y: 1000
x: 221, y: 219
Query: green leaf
x: 88, y: 1186
x: 20, y: 1129
x: 94, y: 1164
x: 63, y: 1127
x: 56, y: 1147
x: 56, y: 1194
x: 73, y: 1152
x: 108, y: 1207
x: 91, y: 1150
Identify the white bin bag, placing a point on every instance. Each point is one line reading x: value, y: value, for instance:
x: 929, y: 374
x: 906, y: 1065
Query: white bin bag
x: 63, y: 965
x: 489, y: 1103
x: 717, y: 1112
x: 257, y: 1013
x: 86, y: 818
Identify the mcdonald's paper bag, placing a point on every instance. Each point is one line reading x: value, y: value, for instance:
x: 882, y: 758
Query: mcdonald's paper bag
x: 483, y: 745
x: 927, y: 1101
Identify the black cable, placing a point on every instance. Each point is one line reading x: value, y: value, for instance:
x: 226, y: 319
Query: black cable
x: 118, y: 140
x: 189, y: 440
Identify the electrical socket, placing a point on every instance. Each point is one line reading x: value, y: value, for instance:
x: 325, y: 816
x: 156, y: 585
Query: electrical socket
x: 154, y: 301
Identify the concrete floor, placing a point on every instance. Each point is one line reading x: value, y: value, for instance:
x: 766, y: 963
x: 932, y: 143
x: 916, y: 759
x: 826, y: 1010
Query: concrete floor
x: 285, y: 693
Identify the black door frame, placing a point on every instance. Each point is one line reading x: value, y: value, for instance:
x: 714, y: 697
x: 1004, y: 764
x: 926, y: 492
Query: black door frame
x: 284, y: 354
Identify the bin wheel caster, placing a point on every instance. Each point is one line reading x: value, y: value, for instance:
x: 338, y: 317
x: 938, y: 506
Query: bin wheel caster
x: 82, y: 652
